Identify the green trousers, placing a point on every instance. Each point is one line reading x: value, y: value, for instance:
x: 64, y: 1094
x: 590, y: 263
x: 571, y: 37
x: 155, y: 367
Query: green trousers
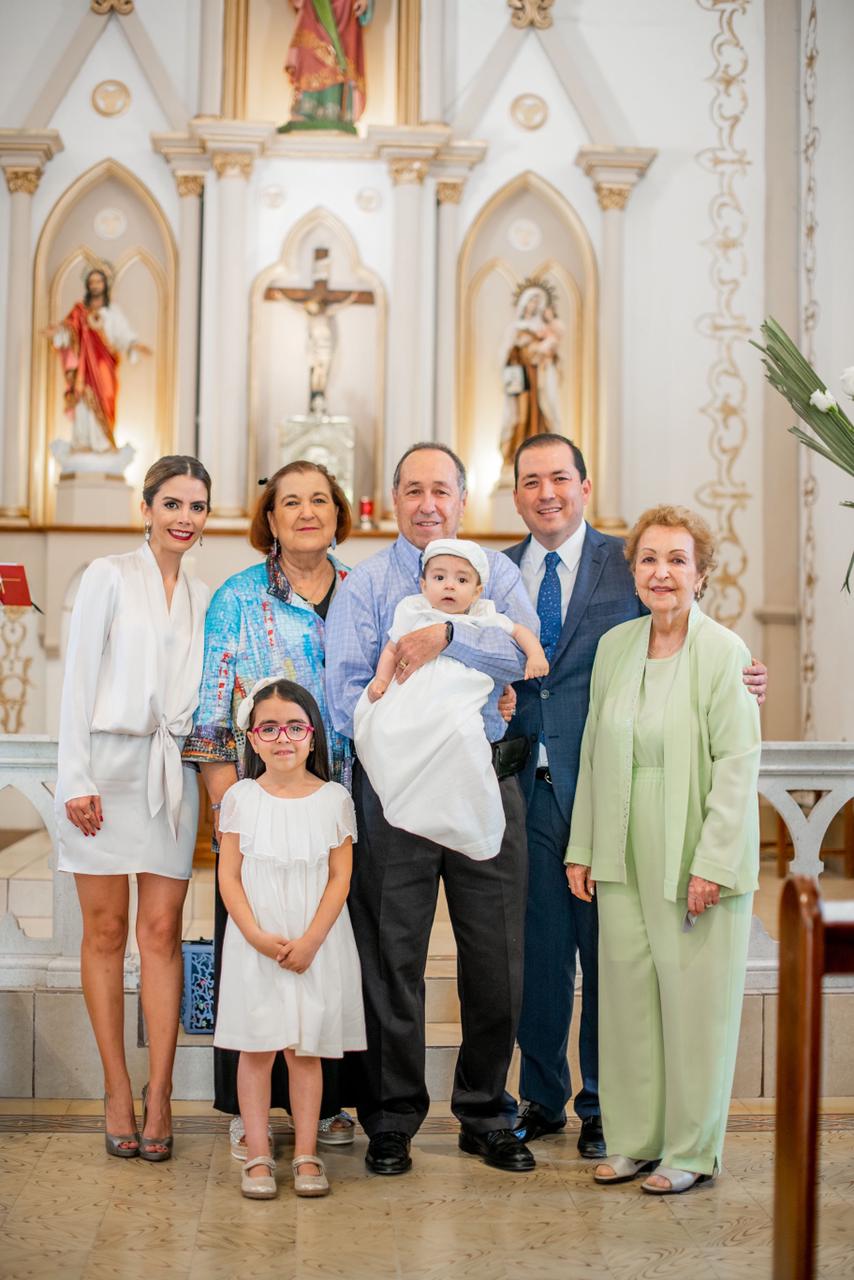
x: 669, y: 1004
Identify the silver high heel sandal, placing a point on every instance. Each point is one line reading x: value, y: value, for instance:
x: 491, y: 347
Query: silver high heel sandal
x: 113, y: 1141
x: 147, y: 1145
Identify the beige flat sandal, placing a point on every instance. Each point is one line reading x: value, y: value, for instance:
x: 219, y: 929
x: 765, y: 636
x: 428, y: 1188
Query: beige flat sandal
x: 680, y: 1180
x: 310, y: 1184
x: 259, y: 1188
x: 625, y: 1169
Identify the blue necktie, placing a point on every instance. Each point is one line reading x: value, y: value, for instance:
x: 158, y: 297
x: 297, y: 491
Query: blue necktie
x: 548, y: 605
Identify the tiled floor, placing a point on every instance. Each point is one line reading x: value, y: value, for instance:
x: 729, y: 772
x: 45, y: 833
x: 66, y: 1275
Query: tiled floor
x: 67, y: 1210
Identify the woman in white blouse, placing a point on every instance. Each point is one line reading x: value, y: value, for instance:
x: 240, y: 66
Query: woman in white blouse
x: 125, y: 803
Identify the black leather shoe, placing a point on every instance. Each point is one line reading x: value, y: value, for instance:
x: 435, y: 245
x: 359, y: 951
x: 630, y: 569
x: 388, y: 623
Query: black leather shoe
x: 533, y: 1124
x: 388, y: 1153
x: 591, y: 1140
x: 500, y: 1148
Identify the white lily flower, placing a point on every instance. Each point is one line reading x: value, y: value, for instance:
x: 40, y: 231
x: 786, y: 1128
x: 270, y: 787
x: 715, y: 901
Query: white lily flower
x: 847, y: 381
x: 823, y: 400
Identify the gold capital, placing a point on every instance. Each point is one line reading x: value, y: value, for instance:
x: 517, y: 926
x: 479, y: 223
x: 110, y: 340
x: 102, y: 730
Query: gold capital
x: 613, y: 195
x: 451, y: 191
x: 405, y: 171
x: 232, y: 164
x: 23, y: 179
x: 530, y: 13
x: 190, y: 184
x: 112, y: 6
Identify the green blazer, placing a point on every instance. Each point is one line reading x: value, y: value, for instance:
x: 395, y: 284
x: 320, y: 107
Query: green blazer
x: 712, y: 744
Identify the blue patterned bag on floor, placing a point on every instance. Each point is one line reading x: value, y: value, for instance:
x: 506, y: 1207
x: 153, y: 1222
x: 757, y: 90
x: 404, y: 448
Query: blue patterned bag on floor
x: 197, y: 1011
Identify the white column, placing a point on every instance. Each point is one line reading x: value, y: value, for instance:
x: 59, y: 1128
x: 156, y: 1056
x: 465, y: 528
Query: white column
x: 210, y: 58
x: 405, y: 350
x: 614, y: 171
x: 432, y: 78
x: 449, y: 193
x: 22, y: 183
x: 608, y: 459
x: 190, y: 188
x: 230, y: 444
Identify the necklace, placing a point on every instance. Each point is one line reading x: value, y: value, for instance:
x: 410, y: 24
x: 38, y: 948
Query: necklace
x: 304, y: 594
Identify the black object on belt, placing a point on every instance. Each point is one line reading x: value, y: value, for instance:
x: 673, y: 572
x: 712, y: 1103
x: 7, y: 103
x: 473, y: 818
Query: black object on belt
x: 509, y: 756
x: 543, y: 774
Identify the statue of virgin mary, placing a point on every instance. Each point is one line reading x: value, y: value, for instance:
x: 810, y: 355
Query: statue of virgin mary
x: 530, y: 368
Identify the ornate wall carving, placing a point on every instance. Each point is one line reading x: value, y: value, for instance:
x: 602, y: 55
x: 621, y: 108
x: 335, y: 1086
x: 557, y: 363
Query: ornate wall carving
x: 725, y: 495
x: 531, y: 13
x: 809, y: 490
x: 23, y: 179
x: 14, y: 669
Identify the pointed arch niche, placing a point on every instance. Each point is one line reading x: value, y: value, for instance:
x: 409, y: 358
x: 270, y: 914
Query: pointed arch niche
x: 527, y: 229
x: 108, y: 198
x: 278, y: 353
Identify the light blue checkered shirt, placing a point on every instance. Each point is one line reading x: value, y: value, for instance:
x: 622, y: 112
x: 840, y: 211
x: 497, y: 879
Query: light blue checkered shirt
x: 362, y: 611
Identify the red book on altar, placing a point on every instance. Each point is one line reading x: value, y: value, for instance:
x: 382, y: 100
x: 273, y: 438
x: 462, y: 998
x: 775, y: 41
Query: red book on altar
x: 13, y: 585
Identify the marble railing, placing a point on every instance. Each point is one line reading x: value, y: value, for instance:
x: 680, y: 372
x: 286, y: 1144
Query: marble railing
x: 28, y: 764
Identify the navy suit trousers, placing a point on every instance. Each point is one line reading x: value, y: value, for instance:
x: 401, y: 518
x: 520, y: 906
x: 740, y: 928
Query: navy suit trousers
x: 557, y: 927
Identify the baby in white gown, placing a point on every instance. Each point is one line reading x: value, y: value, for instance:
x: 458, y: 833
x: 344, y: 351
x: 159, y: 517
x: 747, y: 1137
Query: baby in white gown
x: 291, y: 979
x: 422, y: 743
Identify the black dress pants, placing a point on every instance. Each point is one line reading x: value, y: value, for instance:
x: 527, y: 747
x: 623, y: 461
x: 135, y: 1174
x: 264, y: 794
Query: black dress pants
x: 392, y: 904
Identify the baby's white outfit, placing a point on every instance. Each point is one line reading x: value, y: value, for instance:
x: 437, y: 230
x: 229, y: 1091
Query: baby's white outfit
x: 423, y: 744
x: 285, y: 845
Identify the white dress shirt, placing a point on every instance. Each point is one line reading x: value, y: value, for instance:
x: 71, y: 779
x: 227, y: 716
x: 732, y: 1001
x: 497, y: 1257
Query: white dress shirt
x: 532, y: 568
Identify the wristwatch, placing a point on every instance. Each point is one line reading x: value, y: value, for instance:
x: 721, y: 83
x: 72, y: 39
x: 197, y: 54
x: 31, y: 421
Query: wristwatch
x: 449, y: 633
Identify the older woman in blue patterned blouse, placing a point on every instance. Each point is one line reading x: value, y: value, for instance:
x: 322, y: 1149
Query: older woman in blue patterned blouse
x: 269, y: 620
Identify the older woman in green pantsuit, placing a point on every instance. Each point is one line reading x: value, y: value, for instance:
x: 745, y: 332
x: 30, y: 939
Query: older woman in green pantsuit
x: 665, y: 829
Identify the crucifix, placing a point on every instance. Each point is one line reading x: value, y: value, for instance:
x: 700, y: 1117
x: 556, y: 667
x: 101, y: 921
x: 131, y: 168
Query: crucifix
x: 320, y: 303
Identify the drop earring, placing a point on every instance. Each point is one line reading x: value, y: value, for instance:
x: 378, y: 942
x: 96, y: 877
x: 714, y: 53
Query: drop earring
x: 148, y: 533
x: 201, y: 539
x: 275, y: 547
x: 334, y: 543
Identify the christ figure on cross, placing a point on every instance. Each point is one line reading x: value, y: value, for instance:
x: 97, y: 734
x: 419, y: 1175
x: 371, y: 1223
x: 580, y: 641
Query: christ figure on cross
x: 320, y: 303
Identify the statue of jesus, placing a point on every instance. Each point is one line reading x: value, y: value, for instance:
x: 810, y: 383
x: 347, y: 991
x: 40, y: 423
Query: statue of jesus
x: 320, y: 303
x: 91, y: 341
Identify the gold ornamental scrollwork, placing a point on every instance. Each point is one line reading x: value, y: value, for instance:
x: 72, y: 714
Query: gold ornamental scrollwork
x: 531, y: 13
x: 405, y: 172
x: 14, y: 669
x: 23, y: 179
x: 232, y: 164
x: 450, y: 192
x: 725, y: 495
x: 809, y: 321
x: 190, y: 184
x: 112, y: 6
x: 613, y: 195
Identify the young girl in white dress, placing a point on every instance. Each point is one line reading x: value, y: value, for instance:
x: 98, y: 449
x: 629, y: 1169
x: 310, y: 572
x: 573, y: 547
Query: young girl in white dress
x: 291, y: 979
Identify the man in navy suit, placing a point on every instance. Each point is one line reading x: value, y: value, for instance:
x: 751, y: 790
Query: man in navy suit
x: 580, y: 583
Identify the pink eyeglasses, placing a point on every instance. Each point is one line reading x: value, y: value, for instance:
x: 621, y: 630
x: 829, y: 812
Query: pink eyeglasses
x: 295, y: 730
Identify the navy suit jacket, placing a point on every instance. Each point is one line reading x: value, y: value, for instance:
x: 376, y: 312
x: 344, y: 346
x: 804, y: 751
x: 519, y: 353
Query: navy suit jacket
x: 556, y: 707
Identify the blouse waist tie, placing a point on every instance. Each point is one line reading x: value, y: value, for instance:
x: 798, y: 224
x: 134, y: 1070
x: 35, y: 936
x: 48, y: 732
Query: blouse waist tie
x: 165, y: 774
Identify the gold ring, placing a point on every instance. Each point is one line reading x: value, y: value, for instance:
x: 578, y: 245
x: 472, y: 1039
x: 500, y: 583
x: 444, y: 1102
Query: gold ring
x: 403, y: 665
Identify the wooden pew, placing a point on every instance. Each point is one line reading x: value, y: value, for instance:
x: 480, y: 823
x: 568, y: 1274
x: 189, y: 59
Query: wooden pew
x: 816, y: 938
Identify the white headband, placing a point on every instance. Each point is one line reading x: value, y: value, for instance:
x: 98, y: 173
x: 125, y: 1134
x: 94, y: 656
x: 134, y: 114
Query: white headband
x: 464, y: 548
x: 247, y: 706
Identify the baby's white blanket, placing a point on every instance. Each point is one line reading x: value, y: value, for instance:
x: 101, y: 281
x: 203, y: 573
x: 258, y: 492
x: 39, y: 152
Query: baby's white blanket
x: 423, y: 744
